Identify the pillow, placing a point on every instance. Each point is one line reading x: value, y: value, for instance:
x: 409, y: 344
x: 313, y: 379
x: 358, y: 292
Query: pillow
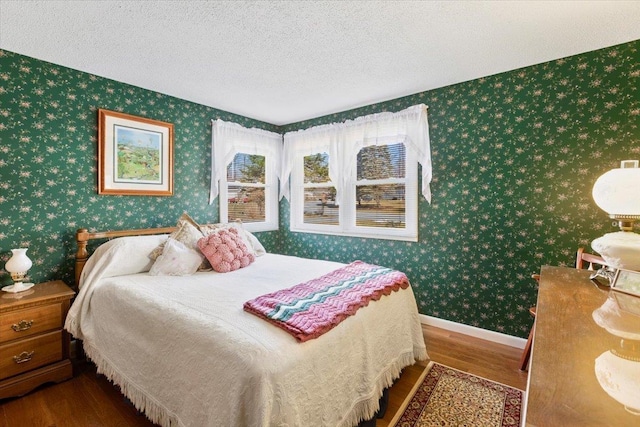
x: 258, y: 249
x: 253, y: 244
x: 176, y: 260
x: 121, y: 256
x: 185, y: 233
x: 188, y: 233
x: 225, y: 250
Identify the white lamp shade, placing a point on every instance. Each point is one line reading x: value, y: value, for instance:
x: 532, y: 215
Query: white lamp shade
x: 617, y: 192
x: 19, y: 262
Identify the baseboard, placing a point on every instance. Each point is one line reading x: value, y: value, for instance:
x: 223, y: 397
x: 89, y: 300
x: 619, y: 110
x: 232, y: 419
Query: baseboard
x: 473, y: 331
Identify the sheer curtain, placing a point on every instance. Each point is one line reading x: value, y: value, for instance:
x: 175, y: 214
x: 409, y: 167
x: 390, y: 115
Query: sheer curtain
x: 344, y: 140
x: 317, y: 139
x: 228, y: 139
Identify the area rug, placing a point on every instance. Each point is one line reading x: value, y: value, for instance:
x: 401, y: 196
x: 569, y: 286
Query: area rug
x: 444, y: 396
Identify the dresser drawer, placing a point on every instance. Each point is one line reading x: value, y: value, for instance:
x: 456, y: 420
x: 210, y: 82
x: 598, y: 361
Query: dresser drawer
x: 30, y: 321
x: 25, y: 355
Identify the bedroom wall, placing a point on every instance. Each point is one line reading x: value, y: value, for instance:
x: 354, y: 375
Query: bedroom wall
x: 48, y: 158
x: 515, y: 156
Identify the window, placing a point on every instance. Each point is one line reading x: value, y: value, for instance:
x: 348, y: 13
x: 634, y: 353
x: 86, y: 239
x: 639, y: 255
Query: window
x: 246, y: 189
x: 249, y: 191
x: 380, y: 186
x: 380, y: 202
x: 319, y: 193
x: 314, y: 205
x: 359, y: 178
x: 245, y: 165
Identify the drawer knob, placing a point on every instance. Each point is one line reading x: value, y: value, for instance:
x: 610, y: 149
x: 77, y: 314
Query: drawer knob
x: 23, y: 357
x: 22, y: 325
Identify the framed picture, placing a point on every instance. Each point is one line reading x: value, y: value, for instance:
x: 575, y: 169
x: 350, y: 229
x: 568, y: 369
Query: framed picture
x: 627, y: 281
x: 135, y: 155
x: 628, y: 303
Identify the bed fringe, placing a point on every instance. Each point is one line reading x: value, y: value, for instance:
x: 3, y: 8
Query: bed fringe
x: 367, y: 409
x: 71, y: 326
x: 158, y: 414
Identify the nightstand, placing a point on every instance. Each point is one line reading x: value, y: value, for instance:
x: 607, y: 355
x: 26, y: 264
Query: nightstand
x: 34, y: 349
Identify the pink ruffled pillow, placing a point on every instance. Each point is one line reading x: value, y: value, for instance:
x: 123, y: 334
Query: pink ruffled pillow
x: 225, y: 250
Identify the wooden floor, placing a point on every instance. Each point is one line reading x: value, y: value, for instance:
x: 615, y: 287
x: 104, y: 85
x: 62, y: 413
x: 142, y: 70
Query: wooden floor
x: 90, y: 400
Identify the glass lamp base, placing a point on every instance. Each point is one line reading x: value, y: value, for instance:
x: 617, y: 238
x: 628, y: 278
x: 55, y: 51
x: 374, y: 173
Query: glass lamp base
x: 18, y: 287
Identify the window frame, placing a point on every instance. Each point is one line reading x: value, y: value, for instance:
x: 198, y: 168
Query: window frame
x: 347, y: 211
x: 296, y: 220
x: 271, y: 205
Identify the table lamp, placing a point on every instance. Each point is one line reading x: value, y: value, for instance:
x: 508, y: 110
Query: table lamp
x: 18, y: 266
x: 618, y: 369
x: 617, y: 192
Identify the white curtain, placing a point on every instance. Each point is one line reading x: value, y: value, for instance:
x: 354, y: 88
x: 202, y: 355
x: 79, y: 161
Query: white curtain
x: 318, y: 139
x: 228, y: 139
x: 408, y: 126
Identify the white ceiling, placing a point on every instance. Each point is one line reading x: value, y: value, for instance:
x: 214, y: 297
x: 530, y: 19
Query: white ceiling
x: 286, y: 61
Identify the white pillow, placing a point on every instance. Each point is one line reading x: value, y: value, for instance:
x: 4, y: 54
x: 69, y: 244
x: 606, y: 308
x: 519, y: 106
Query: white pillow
x: 176, y: 260
x: 258, y: 249
x: 121, y: 256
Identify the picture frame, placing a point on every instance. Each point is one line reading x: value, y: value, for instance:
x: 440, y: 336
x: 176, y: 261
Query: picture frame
x: 627, y: 303
x: 135, y: 155
x: 627, y: 281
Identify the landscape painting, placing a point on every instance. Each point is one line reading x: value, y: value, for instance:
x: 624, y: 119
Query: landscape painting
x: 139, y: 153
x: 135, y: 155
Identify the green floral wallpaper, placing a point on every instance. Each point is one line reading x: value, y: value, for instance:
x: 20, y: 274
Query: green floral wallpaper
x: 48, y: 161
x: 515, y: 156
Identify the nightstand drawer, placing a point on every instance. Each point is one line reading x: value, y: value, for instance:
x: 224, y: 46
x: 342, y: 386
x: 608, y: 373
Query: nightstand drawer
x: 23, y: 323
x: 25, y: 355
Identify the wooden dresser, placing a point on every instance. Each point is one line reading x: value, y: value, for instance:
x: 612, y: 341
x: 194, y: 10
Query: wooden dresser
x: 575, y: 360
x: 34, y: 349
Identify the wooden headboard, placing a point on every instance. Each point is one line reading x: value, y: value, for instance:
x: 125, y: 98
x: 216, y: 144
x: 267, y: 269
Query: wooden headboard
x: 83, y: 236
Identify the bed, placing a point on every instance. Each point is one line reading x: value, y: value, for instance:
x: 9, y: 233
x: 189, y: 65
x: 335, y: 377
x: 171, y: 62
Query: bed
x: 184, y: 352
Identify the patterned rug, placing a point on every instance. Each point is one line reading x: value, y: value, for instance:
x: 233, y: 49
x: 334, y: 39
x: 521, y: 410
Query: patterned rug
x: 444, y: 396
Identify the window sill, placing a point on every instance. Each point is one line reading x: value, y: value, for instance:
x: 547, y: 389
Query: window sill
x: 369, y: 235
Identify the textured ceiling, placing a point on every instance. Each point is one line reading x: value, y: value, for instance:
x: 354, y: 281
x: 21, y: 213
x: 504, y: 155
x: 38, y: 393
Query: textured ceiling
x: 283, y: 62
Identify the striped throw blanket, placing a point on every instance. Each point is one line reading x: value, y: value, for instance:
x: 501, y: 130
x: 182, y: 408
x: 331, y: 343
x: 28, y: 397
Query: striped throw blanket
x: 309, y: 309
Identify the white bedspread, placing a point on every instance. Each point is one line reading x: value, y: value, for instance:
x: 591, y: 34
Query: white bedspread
x: 183, y: 350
